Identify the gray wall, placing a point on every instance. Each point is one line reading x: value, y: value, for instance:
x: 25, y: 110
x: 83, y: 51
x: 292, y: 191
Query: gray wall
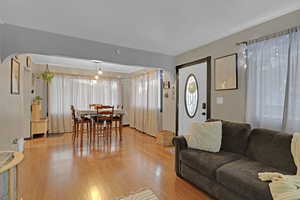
x: 18, y: 40
x: 1, y: 40
x: 233, y: 107
x: 169, y: 103
x: 13, y: 123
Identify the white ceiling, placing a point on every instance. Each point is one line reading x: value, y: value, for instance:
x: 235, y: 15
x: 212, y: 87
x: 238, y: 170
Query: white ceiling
x: 166, y: 26
x: 83, y: 64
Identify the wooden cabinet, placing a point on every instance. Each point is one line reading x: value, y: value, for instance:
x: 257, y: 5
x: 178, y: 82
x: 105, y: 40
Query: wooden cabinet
x: 39, y: 126
x: 36, y: 111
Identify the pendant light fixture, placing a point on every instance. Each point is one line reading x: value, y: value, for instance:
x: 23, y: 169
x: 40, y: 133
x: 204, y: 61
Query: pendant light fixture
x: 100, y: 71
x: 98, y: 68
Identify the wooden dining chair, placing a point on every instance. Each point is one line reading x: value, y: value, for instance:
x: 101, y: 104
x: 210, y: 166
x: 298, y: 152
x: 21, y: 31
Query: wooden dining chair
x: 104, y: 117
x: 75, y: 122
x: 79, y: 122
x: 98, y: 124
x: 120, y: 106
x: 94, y: 106
x: 117, y: 118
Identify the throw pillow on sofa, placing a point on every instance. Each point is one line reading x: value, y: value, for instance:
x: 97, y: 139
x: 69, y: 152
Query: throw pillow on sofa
x: 206, y: 136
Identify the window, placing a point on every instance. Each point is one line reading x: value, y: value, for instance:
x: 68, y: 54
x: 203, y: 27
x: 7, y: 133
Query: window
x: 273, y: 83
x: 191, y: 95
x: 65, y: 91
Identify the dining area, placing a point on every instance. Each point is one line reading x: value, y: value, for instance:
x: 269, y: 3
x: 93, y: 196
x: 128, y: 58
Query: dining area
x: 98, y: 123
x: 92, y: 110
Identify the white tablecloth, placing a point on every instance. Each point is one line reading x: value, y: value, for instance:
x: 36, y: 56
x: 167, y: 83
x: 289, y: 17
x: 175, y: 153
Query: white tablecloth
x: 94, y: 112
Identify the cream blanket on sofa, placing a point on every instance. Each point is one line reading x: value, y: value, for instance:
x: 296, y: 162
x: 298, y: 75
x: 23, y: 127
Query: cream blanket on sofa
x: 284, y: 187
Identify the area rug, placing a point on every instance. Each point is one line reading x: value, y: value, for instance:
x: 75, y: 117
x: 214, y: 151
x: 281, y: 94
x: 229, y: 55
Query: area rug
x: 142, y: 195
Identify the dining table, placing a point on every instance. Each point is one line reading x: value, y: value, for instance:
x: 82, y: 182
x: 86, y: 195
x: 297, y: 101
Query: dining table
x: 93, y: 113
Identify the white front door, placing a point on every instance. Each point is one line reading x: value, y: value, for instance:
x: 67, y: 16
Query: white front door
x: 192, y: 95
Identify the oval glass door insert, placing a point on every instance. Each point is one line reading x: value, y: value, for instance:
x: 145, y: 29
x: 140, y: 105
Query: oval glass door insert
x: 191, y: 95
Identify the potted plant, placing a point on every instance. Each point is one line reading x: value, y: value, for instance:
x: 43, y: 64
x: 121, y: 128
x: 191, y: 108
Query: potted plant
x: 37, y: 100
x: 46, y: 76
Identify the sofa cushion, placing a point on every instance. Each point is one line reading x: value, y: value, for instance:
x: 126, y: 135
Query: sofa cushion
x: 205, y: 136
x: 234, y: 136
x: 272, y: 148
x: 240, y: 176
x: 206, y: 163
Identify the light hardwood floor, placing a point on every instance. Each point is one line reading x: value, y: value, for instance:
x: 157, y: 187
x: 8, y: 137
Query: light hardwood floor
x: 53, y: 169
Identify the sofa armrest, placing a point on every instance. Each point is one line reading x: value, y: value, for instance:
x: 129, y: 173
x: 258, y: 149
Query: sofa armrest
x: 180, y: 144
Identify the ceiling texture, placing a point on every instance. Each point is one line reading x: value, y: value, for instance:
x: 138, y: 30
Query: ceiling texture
x: 165, y: 26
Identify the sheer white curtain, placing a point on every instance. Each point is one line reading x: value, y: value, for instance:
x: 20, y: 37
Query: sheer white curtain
x: 291, y: 121
x: 65, y: 91
x: 145, y: 102
x: 273, y: 79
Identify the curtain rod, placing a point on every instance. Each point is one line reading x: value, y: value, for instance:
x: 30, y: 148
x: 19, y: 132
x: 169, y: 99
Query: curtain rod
x: 270, y: 36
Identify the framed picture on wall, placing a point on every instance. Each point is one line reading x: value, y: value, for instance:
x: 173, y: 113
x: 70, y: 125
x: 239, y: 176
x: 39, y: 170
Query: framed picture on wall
x: 226, y: 72
x: 15, y: 76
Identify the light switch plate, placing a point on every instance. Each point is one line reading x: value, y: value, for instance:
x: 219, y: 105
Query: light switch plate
x: 220, y: 100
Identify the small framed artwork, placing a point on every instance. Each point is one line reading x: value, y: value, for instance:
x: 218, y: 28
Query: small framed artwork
x: 15, y: 76
x: 226, y: 72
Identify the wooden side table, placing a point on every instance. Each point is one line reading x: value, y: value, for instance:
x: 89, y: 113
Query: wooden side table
x: 17, y: 158
x: 39, y: 126
x: 165, y: 137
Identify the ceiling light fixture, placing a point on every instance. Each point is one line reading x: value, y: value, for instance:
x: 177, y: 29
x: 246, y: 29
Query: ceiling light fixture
x: 96, y: 77
x: 100, y: 71
x: 98, y: 67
